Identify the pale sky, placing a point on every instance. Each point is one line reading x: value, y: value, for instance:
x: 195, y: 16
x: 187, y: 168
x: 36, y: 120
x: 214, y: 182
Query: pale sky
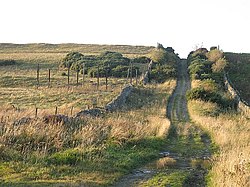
x: 181, y: 24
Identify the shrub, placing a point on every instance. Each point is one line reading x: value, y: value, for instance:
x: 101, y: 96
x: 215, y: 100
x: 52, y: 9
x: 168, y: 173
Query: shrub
x: 200, y: 68
x: 108, y: 60
x: 69, y: 157
x: 142, y: 60
x: 219, y: 65
x: 121, y: 71
x: 71, y: 58
x: 214, y: 55
x: 7, y: 62
x: 210, y: 96
x: 209, y: 85
x: 201, y: 93
x: 162, y: 73
x: 111, y: 55
x: 159, y: 56
x: 201, y: 53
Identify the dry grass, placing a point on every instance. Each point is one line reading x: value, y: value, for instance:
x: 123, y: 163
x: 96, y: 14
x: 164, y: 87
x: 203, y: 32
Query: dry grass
x: 165, y: 163
x: 231, y: 133
x: 37, y: 135
x: 66, y: 48
x: 99, y: 144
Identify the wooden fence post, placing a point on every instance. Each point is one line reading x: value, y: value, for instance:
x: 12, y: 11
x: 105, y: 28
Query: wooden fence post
x: 98, y: 78
x: 127, y: 75
x: 37, y: 75
x: 83, y: 73
x: 77, y: 77
x: 136, y: 76
x: 56, y: 111
x: 49, y: 79
x: 68, y: 76
x: 106, y: 78
x: 131, y: 73
x: 36, y: 112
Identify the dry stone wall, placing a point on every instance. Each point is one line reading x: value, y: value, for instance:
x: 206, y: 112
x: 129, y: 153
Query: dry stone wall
x: 120, y: 100
x: 243, y: 106
x: 117, y: 103
x: 145, y: 77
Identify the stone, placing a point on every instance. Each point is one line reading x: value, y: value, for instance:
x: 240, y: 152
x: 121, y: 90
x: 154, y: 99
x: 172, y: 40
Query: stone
x: 59, y: 118
x: 120, y: 100
x: 22, y: 121
x: 95, y: 112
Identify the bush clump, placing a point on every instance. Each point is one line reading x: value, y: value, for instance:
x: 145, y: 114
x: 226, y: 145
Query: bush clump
x: 210, y: 96
x: 162, y: 73
x: 7, y: 62
x: 108, y: 62
x: 141, y: 60
x: 165, y: 63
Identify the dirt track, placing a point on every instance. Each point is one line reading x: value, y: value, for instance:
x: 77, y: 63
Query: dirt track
x: 177, y: 112
x: 177, y: 106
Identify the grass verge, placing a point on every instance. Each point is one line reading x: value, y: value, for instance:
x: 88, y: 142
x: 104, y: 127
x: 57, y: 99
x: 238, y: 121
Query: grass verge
x: 230, y: 131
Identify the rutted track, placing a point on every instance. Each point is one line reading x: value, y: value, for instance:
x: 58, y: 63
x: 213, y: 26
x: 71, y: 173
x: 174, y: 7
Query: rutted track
x: 177, y: 106
x: 177, y: 112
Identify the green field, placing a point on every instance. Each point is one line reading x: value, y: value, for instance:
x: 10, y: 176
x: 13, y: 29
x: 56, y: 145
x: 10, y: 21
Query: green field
x: 18, y: 82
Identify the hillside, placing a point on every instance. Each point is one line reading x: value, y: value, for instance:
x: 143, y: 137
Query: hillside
x: 65, y: 48
x: 238, y: 71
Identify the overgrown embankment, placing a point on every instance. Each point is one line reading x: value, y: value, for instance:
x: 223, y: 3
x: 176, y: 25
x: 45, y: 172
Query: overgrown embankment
x: 215, y: 110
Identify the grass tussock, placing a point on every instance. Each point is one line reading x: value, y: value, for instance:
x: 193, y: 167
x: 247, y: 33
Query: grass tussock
x: 230, y: 132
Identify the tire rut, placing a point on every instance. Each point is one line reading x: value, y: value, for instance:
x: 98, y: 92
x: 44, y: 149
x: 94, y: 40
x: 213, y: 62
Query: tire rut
x: 177, y: 112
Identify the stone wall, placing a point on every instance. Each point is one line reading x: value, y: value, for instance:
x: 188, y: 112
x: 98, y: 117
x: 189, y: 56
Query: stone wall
x: 243, y: 106
x: 115, y: 104
x: 145, y: 77
x: 120, y: 100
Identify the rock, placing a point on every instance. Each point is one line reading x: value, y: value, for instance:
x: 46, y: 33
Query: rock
x: 22, y: 121
x: 120, y: 100
x: 59, y: 118
x: 95, y: 112
x: 164, y: 154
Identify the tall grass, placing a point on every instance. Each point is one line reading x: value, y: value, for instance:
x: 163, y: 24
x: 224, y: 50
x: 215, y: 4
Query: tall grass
x: 85, y: 150
x: 230, y: 131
